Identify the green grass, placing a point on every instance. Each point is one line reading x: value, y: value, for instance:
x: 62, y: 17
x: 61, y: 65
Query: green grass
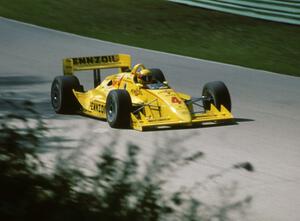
x: 165, y: 26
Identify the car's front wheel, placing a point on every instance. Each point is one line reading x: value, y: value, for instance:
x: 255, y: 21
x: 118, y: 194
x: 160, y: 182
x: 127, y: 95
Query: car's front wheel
x: 216, y: 93
x: 118, y: 108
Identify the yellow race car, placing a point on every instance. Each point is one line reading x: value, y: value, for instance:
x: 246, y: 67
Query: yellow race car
x: 138, y: 98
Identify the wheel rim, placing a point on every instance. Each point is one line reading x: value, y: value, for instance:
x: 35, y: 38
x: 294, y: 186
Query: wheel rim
x: 111, y: 111
x: 55, y: 96
x: 209, y: 99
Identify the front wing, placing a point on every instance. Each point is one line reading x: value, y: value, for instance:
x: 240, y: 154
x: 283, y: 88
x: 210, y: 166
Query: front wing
x: 213, y: 115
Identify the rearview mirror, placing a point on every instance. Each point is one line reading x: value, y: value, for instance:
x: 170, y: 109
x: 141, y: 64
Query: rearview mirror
x: 139, y: 85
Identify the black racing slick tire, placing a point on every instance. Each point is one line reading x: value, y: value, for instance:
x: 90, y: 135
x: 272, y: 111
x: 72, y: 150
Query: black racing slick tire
x: 62, y: 97
x: 216, y: 93
x: 118, y: 108
x: 157, y: 74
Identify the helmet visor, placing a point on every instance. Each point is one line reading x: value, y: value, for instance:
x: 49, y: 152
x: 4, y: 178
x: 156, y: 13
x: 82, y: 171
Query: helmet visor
x: 146, y: 78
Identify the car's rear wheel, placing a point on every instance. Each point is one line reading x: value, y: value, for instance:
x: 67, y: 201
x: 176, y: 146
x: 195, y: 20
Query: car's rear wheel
x: 62, y: 98
x: 216, y: 93
x: 118, y: 108
x: 157, y: 74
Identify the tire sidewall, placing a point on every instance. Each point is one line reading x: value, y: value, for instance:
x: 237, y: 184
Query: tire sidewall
x: 62, y: 90
x: 112, y: 102
x: 119, y: 102
x: 219, y: 94
x: 56, y: 94
x: 207, y: 92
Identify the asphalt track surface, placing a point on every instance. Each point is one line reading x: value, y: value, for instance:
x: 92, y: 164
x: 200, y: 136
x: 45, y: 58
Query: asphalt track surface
x: 266, y: 106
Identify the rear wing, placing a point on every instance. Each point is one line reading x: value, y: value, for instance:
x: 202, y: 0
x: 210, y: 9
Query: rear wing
x: 95, y: 63
x: 121, y: 61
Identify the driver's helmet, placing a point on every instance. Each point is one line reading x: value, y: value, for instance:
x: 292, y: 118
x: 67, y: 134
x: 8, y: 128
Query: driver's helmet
x: 144, y: 76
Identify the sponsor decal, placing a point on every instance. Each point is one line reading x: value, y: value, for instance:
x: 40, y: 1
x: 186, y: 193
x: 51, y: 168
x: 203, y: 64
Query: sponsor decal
x: 167, y: 93
x: 97, y: 107
x: 96, y: 60
x: 175, y: 100
x: 136, y: 92
x: 117, y: 81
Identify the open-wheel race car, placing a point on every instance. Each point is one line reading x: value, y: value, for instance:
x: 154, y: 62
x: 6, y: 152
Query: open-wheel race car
x: 137, y: 98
